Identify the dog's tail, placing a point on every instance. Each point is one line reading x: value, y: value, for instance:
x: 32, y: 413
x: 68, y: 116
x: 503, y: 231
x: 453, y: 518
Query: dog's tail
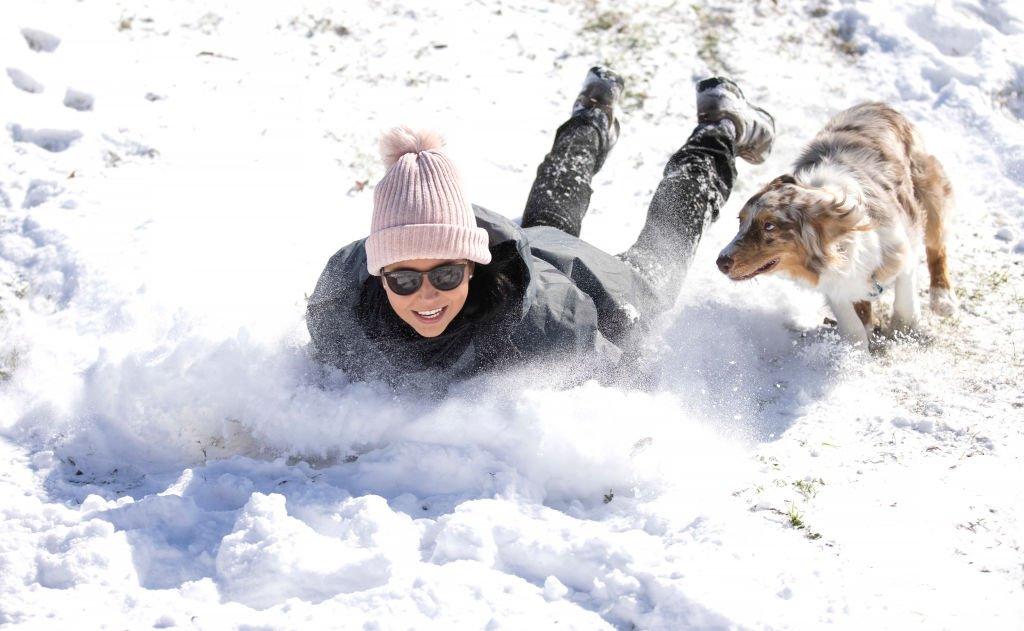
x: 935, y: 194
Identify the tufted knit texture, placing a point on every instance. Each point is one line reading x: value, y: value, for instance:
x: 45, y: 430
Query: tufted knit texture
x: 419, y: 209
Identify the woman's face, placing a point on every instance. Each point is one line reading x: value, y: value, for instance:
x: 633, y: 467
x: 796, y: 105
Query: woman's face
x: 428, y: 310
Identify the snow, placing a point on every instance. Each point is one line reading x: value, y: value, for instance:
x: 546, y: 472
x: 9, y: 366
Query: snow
x: 168, y: 458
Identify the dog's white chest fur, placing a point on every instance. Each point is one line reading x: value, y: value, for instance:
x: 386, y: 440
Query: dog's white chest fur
x: 853, y: 280
x: 856, y: 279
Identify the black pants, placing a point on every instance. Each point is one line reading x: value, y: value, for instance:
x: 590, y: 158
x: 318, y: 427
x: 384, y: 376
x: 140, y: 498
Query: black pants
x: 696, y: 183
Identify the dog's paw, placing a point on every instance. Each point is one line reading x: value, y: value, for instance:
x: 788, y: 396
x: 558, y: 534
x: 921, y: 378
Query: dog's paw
x: 902, y: 325
x: 899, y: 332
x: 943, y: 301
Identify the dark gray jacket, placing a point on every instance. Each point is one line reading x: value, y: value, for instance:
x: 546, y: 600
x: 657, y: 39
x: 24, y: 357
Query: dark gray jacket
x: 564, y: 297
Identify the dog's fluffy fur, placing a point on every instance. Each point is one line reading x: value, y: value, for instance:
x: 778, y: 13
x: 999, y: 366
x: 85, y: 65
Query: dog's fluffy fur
x: 850, y: 220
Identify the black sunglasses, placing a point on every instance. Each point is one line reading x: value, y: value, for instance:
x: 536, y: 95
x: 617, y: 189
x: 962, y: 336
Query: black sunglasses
x: 405, y: 282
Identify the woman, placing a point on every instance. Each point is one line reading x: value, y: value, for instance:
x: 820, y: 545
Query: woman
x: 441, y: 290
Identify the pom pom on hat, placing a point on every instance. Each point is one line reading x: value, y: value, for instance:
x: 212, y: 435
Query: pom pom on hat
x: 398, y: 141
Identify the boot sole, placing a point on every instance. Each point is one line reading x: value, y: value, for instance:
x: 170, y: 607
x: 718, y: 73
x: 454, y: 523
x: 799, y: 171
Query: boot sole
x: 737, y: 101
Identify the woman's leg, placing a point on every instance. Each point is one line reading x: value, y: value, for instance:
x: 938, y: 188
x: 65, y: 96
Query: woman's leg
x: 696, y: 184
x: 561, y: 191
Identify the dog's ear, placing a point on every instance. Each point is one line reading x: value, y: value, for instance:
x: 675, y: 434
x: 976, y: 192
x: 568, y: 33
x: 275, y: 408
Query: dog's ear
x: 781, y: 180
x: 847, y: 206
x: 836, y: 214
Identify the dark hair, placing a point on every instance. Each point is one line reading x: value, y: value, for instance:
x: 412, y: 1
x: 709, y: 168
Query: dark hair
x: 496, y: 289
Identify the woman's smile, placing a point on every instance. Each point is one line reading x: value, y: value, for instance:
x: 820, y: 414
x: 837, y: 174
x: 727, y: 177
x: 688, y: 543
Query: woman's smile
x: 432, y: 315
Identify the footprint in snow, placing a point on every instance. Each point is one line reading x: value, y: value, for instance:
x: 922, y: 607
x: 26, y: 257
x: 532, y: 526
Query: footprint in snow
x: 39, y: 191
x: 40, y: 41
x: 78, y: 100
x: 75, y: 99
x: 995, y: 16
x: 952, y: 35
x: 53, y: 140
x: 23, y: 81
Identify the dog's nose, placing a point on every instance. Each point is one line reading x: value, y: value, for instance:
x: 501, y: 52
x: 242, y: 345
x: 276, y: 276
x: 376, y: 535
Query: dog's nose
x: 724, y: 263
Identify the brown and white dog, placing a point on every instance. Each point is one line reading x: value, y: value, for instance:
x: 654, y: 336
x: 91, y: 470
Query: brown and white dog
x: 851, y: 219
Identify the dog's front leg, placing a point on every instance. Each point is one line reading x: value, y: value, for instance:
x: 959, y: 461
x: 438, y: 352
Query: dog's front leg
x: 904, y: 306
x: 851, y: 328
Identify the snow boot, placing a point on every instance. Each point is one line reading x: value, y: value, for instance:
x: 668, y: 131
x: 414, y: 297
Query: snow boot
x: 601, y: 91
x: 719, y: 98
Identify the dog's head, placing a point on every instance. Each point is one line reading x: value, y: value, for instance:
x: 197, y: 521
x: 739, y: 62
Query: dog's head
x: 792, y: 228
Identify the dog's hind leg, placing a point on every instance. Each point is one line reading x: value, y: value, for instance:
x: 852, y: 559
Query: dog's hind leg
x: 935, y: 194
x: 851, y: 328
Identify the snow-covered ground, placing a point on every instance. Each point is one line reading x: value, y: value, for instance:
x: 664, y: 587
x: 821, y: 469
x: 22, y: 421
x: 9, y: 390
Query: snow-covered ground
x: 173, y: 176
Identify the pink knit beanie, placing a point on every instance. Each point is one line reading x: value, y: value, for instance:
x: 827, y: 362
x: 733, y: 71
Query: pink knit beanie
x: 419, y: 210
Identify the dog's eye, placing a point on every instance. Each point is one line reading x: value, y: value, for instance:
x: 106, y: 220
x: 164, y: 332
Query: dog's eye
x: 769, y: 226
